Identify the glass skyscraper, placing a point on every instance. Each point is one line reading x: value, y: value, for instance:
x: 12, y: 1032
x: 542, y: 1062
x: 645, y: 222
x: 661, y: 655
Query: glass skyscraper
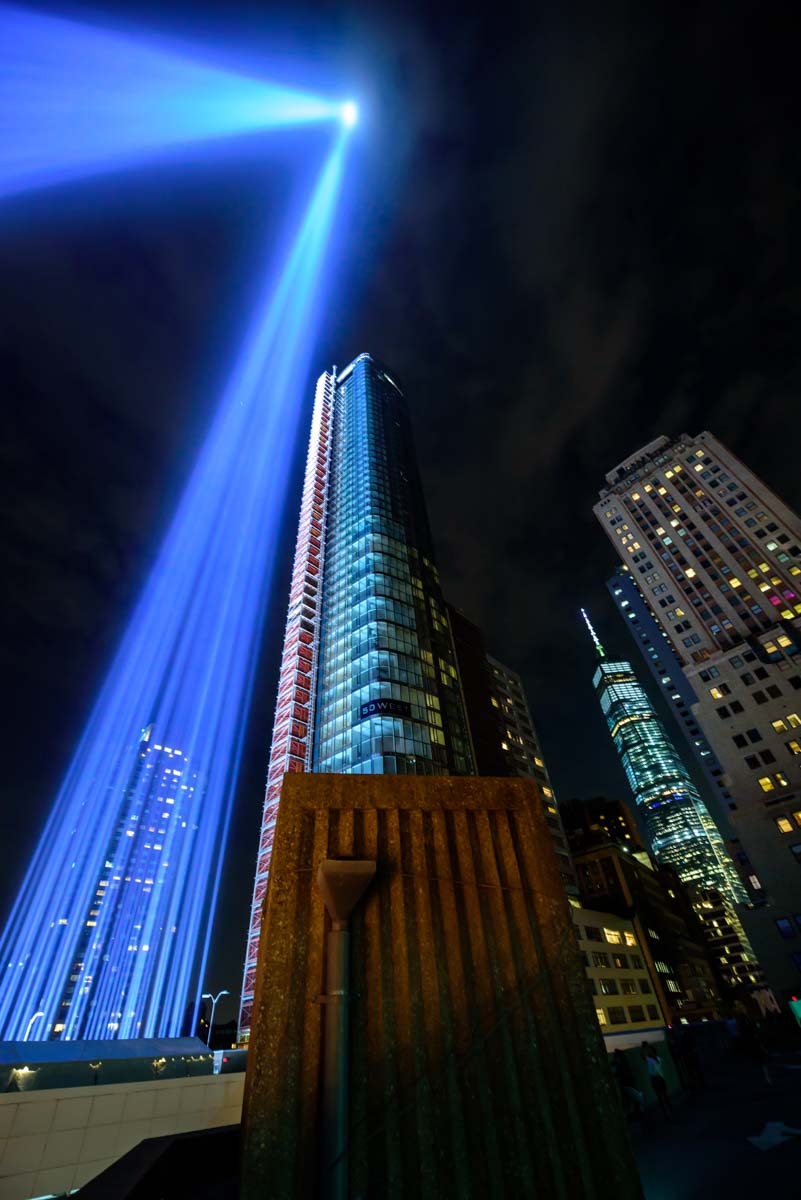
x: 100, y: 973
x: 678, y: 825
x: 368, y: 682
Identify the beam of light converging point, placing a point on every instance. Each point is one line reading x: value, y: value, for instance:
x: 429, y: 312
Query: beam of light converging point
x: 77, y: 100
x: 110, y: 931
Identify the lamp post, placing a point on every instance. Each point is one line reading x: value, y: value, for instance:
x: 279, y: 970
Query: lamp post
x: 214, y: 999
x: 35, y: 1016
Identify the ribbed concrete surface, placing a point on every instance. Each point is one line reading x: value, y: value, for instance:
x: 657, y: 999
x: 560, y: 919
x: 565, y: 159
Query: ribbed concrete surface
x: 477, y: 1066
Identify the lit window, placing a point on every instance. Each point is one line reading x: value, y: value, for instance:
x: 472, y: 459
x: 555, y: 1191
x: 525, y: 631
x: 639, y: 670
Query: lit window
x: 601, y: 1015
x: 766, y: 783
x: 781, y: 779
x: 630, y: 939
x: 690, y: 573
x: 794, y: 720
x: 784, y: 641
x: 635, y: 495
x: 793, y: 746
x: 735, y: 582
x: 613, y: 936
x: 784, y: 825
x: 779, y: 726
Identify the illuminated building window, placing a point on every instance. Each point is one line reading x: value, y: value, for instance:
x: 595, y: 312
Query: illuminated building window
x: 630, y: 939
x: 784, y: 825
x: 766, y: 783
x: 779, y: 726
x: 613, y: 936
x: 794, y: 720
x: 793, y: 746
x: 601, y: 1015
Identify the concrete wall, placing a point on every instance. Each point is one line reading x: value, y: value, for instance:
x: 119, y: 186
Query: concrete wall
x: 477, y: 1067
x: 51, y: 1141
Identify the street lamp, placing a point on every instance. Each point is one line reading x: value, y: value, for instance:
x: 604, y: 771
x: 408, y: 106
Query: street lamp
x: 214, y: 999
x: 33, y: 1018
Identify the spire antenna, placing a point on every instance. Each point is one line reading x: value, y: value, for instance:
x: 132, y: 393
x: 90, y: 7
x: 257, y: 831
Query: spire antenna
x: 596, y: 641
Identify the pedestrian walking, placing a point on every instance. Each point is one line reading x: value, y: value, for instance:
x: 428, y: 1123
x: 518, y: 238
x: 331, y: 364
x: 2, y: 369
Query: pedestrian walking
x: 656, y: 1076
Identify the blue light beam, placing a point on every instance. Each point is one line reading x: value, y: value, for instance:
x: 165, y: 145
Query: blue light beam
x: 110, y: 931
x: 77, y: 100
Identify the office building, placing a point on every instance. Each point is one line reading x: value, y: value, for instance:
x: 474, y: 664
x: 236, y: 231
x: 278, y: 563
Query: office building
x: 670, y: 938
x: 368, y: 680
x: 501, y: 727
x: 679, y: 830
x: 598, y: 821
x: 717, y: 557
x: 598, y: 824
x: 616, y: 966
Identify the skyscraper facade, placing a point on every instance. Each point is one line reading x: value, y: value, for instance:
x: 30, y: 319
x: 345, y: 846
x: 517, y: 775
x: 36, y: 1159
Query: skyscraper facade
x: 668, y: 675
x: 368, y: 681
x: 679, y: 828
x: 717, y: 557
x: 502, y: 729
x: 105, y: 973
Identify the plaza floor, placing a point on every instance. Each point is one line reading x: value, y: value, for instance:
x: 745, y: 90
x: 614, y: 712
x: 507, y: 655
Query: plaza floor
x: 705, y: 1149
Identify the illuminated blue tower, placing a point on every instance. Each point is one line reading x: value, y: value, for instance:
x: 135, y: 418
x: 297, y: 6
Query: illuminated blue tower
x: 137, y: 908
x: 679, y: 828
x: 368, y: 682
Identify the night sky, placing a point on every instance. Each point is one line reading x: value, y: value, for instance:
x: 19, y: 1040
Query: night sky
x: 568, y: 229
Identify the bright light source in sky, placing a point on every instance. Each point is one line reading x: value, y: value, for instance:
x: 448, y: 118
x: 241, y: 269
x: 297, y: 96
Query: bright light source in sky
x: 76, y: 100
x: 350, y: 113
x: 109, y: 933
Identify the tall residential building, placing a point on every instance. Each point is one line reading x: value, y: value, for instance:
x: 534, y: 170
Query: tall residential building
x: 717, y: 557
x: 368, y: 680
x: 501, y: 727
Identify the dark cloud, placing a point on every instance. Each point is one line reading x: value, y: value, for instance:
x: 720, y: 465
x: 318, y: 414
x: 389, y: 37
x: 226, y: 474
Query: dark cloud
x: 569, y: 228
